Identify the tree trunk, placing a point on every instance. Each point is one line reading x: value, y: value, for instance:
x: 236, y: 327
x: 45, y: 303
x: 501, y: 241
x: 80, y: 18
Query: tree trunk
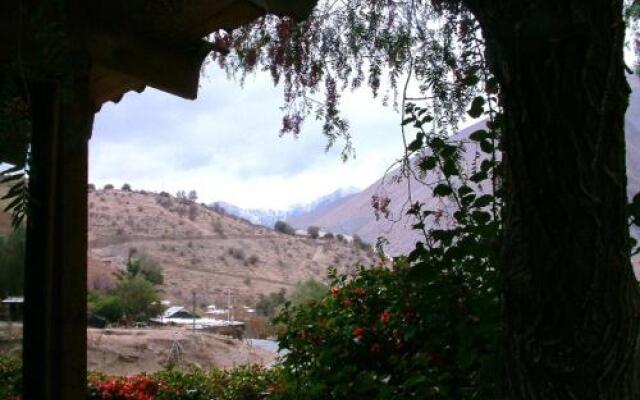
x: 571, y: 299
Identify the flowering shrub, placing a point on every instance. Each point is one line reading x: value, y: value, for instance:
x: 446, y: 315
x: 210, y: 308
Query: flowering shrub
x: 242, y: 383
x: 139, y: 387
x: 387, y: 334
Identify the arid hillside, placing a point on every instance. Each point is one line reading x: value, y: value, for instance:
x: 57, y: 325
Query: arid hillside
x: 204, y: 251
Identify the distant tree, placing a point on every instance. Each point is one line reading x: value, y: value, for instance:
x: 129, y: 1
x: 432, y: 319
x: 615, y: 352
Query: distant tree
x: 268, y: 306
x: 328, y: 236
x: 340, y: 237
x: 193, y: 195
x: 108, y: 186
x: 139, y: 299
x: 91, y: 187
x: 109, y: 307
x: 143, y: 266
x: 308, y: 290
x: 285, y: 228
x: 12, y: 253
x: 361, y: 244
x: 313, y: 232
x: 126, y: 187
x: 134, y: 299
x: 181, y: 195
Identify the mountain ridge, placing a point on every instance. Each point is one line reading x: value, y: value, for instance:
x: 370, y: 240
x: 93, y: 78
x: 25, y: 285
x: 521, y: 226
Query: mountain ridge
x: 268, y: 217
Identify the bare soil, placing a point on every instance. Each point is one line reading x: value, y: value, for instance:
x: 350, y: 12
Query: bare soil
x: 133, y: 351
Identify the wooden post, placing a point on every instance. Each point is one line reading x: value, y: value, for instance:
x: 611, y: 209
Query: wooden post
x: 55, y: 359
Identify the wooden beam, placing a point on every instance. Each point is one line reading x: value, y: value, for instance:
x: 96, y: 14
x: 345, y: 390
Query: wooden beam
x: 54, y: 355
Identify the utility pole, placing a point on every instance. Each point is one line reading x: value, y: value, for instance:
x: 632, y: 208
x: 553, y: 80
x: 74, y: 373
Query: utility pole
x: 194, y: 310
x: 228, y: 306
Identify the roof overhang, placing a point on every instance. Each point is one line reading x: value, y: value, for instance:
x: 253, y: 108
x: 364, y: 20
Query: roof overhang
x: 134, y: 44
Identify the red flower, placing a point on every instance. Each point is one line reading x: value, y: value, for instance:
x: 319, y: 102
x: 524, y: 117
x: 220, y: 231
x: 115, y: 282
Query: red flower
x: 385, y: 317
x: 358, y: 332
x: 346, y: 303
x: 335, y: 291
x: 359, y: 291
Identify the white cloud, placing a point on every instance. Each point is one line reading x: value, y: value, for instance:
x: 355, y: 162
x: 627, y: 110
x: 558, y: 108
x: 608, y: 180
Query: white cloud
x: 226, y: 145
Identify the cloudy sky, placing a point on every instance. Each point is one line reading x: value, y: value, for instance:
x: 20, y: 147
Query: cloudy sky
x: 226, y: 145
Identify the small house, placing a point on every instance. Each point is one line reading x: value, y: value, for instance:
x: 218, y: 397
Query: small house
x: 13, y: 308
x: 177, y: 312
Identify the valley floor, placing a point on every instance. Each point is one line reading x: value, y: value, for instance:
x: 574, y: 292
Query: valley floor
x: 132, y: 351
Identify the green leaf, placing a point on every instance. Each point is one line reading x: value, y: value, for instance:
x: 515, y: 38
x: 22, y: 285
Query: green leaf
x: 408, y: 120
x: 486, y: 165
x: 486, y: 146
x: 471, y: 80
x: 477, y: 107
x: 481, y: 217
x: 478, y: 177
x: 442, y: 190
x: 464, y: 190
x: 479, y: 135
x: 449, y: 168
x: 428, y: 163
x: 417, y: 143
x: 483, y: 201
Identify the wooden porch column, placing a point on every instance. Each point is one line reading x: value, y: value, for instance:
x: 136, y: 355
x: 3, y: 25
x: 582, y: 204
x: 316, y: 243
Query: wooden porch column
x: 55, y: 359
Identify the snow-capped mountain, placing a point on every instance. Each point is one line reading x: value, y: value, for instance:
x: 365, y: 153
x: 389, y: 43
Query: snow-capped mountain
x: 268, y: 217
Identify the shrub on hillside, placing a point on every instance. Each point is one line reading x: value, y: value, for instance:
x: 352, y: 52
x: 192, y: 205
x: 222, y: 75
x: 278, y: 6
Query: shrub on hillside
x: 361, y: 244
x: 313, y: 232
x: 253, y: 260
x: 108, y: 186
x: 126, y: 187
x: 237, y: 253
x: 91, y: 187
x: 328, y: 236
x: 283, y: 227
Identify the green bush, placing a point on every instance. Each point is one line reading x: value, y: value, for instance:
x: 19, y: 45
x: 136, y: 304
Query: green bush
x: 138, y: 298
x: 268, y: 306
x: 400, y: 333
x: 283, y: 227
x: 313, y: 232
x: 10, y: 377
x: 308, y: 290
x: 242, y: 383
x: 144, y: 266
x: 109, y: 307
x: 134, y: 299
